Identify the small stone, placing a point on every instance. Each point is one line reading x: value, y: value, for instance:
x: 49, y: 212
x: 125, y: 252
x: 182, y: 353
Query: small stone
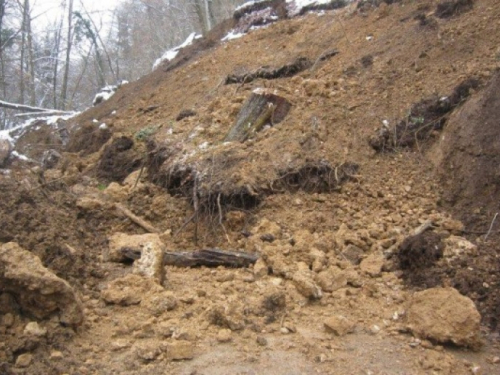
x: 8, y: 320
x: 496, y: 360
x: 476, y: 370
x: 339, y: 325
x: 224, y: 277
x: 24, y: 360
x: 224, y: 335
x: 304, y: 282
x: 147, y: 352
x: 56, y: 355
x: 260, y: 268
x: 33, y: 329
x: 374, y: 329
x: 180, y: 350
x: 267, y: 237
x: 120, y: 344
x: 261, y: 340
x: 372, y: 265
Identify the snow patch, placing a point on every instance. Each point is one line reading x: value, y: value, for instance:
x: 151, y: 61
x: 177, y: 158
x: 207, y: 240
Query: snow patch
x: 232, y: 35
x: 172, y: 53
x: 5, y: 134
x: 20, y: 156
x: 248, y: 4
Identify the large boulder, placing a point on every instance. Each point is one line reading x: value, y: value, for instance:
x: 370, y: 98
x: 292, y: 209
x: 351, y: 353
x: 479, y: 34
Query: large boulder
x: 38, y: 291
x: 445, y: 316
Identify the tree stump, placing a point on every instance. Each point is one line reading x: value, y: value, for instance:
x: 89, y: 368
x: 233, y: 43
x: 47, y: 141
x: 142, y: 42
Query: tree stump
x: 262, y: 108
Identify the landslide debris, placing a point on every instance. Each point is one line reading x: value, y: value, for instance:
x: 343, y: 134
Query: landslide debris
x: 322, y: 211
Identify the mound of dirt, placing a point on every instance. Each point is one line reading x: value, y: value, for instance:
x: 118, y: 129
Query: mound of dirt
x: 468, y: 160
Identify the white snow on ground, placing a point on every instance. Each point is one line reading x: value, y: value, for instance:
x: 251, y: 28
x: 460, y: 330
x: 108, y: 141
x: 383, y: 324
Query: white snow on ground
x: 248, y: 4
x: 12, y: 135
x: 172, y: 53
x: 232, y: 35
x: 294, y: 8
x: 20, y: 156
x: 4, y: 134
x: 297, y: 5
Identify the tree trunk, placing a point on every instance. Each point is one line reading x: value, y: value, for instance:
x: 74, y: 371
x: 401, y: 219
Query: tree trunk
x: 69, y: 43
x: 261, y: 108
x: 55, y: 55
x: 31, y: 58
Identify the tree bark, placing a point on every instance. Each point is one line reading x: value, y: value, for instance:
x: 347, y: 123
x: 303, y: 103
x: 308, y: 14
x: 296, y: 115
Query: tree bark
x: 28, y: 108
x: 69, y: 43
x: 204, y: 257
x: 261, y: 108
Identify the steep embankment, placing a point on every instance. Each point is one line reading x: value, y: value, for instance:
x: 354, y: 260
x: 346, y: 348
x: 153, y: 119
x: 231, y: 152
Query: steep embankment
x: 329, y: 216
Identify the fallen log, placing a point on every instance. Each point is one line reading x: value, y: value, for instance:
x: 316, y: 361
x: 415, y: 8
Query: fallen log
x: 29, y: 108
x: 204, y: 257
x: 137, y: 220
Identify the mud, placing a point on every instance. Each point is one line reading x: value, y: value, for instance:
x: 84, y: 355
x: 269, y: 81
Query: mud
x: 322, y: 246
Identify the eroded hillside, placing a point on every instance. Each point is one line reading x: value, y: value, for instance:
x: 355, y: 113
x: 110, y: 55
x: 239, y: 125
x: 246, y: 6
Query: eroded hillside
x: 350, y: 233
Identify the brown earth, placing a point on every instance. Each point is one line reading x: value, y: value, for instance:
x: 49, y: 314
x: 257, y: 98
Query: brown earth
x: 327, y: 243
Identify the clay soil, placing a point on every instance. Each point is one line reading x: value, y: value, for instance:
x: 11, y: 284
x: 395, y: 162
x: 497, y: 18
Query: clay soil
x: 239, y: 321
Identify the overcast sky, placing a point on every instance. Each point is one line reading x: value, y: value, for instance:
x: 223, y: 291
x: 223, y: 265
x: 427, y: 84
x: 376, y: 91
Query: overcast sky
x: 47, y: 11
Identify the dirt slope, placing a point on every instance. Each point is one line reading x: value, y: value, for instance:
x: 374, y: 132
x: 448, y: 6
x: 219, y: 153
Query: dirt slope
x: 285, y: 195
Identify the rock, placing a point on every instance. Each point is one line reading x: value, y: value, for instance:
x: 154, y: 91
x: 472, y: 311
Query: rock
x: 332, y: 279
x: 267, y: 227
x: 116, y: 192
x: 37, y: 290
x: 33, y: 329
x: 353, y: 254
x: 50, y: 158
x: 56, y: 355
x: 339, y: 325
x: 372, y: 264
x: 120, y: 243
x: 24, y: 360
x: 130, y: 290
x: 180, y: 350
x: 158, y: 303
x: 260, y: 268
x: 303, y: 280
x: 444, y: 315
x: 88, y: 203
x: 5, y: 150
x: 261, y: 340
x: 344, y: 237
x: 132, y: 178
x: 318, y: 259
x: 8, y: 320
x: 280, y: 264
x: 150, y: 264
x: 224, y: 335
x: 455, y: 246
x: 451, y: 225
x: 147, y: 351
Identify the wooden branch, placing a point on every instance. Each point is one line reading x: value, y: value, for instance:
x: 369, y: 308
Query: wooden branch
x: 45, y: 113
x: 210, y: 258
x: 205, y: 257
x: 141, y: 222
x: 28, y: 108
